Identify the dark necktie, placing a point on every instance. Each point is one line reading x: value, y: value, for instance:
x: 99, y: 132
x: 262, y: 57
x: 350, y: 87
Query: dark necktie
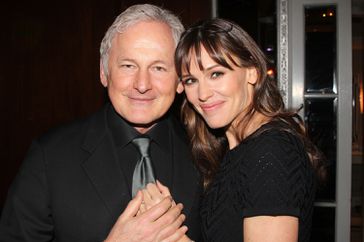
x: 143, y: 172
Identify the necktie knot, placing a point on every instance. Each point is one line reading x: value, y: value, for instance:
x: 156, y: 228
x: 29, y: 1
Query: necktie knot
x: 142, y: 144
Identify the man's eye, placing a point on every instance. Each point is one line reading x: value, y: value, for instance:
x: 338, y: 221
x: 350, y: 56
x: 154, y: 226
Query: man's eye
x: 216, y: 74
x: 127, y: 66
x: 159, y: 68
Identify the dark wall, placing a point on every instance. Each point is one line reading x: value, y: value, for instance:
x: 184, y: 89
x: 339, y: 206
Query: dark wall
x: 49, y: 66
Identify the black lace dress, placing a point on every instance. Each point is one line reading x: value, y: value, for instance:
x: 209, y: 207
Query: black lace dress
x: 267, y: 174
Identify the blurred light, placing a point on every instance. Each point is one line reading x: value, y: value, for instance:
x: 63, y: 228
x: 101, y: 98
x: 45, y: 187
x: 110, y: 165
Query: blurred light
x: 361, y: 97
x: 269, y: 49
x: 331, y: 14
x: 324, y: 15
x: 270, y: 72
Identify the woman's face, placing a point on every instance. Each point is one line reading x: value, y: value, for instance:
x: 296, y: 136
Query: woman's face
x: 219, y: 94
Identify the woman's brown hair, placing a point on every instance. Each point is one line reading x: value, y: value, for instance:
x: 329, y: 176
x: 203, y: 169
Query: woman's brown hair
x: 226, y: 42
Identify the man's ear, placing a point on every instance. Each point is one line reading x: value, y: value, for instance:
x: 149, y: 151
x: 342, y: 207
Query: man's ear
x: 180, y: 87
x: 103, y: 77
x: 252, y: 75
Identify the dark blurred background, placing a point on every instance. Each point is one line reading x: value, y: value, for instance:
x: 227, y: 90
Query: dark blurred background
x: 49, y: 66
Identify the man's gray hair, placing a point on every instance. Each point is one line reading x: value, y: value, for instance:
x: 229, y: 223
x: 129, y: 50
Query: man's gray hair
x: 133, y: 15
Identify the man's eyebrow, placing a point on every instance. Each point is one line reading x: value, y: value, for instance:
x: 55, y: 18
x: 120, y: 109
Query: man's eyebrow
x: 125, y: 59
x: 160, y: 61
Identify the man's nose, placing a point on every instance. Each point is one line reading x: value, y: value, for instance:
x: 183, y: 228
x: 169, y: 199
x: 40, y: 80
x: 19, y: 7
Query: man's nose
x: 142, y: 81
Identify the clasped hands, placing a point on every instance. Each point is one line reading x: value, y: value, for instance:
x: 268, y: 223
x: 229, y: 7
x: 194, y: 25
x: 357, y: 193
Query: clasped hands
x: 151, y: 215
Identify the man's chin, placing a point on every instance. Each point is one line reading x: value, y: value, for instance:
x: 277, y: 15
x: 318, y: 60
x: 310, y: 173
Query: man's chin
x: 142, y: 125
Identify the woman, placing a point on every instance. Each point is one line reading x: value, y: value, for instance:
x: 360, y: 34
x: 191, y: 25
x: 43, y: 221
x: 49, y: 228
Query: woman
x: 259, y: 169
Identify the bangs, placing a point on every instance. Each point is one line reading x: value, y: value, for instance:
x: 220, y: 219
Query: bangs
x: 191, y: 48
x: 226, y: 44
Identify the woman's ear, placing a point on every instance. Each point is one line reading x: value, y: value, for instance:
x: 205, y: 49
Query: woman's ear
x: 252, y: 75
x: 180, y: 87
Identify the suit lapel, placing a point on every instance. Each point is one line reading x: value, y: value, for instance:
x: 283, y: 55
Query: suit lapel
x: 103, y: 168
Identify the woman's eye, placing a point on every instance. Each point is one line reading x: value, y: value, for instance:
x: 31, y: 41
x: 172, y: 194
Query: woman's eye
x: 188, y: 81
x: 216, y: 74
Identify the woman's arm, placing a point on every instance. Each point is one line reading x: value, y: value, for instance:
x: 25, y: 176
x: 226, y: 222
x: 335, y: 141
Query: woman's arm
x: 270, y: 229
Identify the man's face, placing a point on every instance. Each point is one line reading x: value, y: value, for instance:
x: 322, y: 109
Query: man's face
x: 142, y: 81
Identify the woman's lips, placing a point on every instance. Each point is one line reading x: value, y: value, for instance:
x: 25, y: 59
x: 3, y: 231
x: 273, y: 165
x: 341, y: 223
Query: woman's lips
x: 207, y: 107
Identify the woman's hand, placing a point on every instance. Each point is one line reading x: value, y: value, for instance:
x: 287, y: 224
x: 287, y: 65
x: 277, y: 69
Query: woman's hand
x: 154, y: 194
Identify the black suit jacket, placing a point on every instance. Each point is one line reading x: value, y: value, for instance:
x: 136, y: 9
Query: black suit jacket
x: 71, y: 186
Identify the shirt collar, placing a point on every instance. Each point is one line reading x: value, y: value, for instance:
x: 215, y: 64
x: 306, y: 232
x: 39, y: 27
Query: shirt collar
x: 123, y: 133
x: 160, y: 134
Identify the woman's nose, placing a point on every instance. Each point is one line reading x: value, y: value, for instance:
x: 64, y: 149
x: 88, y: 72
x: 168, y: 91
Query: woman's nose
x: 204, y: 91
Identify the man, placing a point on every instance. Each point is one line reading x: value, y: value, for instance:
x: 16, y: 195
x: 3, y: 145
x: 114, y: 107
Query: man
x: 77, y: 180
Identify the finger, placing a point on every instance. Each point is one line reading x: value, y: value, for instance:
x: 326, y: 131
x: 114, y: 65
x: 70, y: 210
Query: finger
x: 155, y: 195
x: 163, y: 189
x: 146, y: 194
x: 154, y: 192
x: 179, y: 234
x: 169, y: 217
x: 133, y: 206
x: 142, y: 208
x: 171, y: 229
x: 158, y: 210
x: 148, y: 201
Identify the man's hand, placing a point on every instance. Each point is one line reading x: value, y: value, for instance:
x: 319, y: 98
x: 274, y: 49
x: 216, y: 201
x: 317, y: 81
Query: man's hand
x: 160, y: 223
